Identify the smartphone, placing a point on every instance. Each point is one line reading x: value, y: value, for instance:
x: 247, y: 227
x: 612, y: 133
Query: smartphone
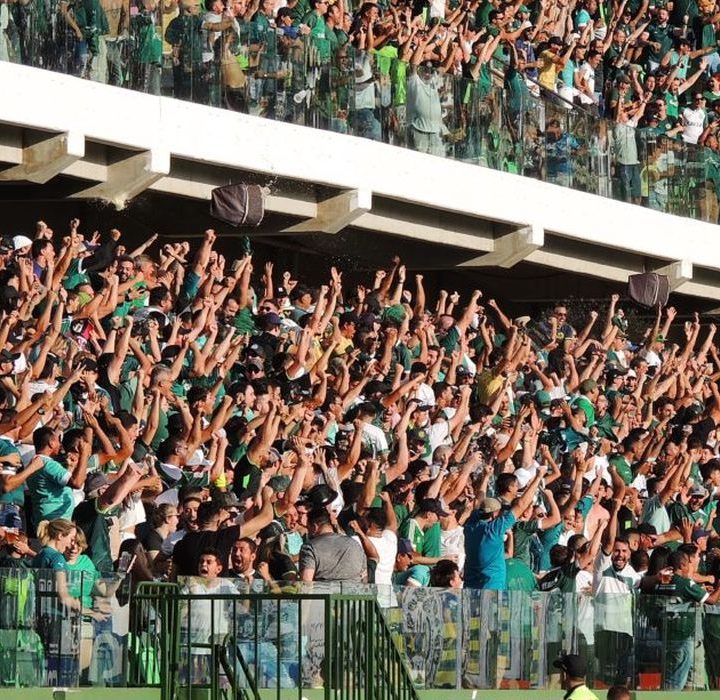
x: 125, y: 564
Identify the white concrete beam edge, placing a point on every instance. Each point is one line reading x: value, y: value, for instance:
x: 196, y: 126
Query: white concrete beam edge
x: 348, y: 163
x: 47, y: 158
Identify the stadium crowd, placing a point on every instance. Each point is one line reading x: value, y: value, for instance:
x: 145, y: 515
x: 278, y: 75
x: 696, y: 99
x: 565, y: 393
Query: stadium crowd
x: 174, y: 414
x: 425, y: 74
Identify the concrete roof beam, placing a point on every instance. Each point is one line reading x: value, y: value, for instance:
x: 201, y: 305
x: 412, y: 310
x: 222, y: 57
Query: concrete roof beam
x: 511, y: 248
x: 336, y: 213
x: 130, y: 176
x: 44, y: 159
x: 679, y: 274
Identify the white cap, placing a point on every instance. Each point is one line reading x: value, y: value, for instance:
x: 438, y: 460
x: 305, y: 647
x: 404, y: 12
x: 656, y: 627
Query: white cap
x: 197, y: 459
x: 21, y: 242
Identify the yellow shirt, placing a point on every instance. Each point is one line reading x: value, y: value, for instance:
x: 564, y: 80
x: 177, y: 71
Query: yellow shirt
x: 488, y: 385
x: 548, y: 70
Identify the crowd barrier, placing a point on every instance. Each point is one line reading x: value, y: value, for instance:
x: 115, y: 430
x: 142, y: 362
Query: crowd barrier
x: 489, y: 121
x: 43, y: 642
x: 311, y: 634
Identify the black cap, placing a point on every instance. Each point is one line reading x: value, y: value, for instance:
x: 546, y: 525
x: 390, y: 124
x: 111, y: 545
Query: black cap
x: 319, y: 496
x: 404, y: 546
x: 432, y: 505
x: 7, y: 356
x: 348, y: 317
x: 257, y: 350
x: 573, y: 665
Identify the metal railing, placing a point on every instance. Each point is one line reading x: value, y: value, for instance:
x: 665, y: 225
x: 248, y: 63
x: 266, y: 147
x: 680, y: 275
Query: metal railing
x: 235, y: 645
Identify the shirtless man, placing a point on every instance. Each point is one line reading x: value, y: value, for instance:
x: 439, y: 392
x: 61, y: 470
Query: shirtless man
x: 109, y: 62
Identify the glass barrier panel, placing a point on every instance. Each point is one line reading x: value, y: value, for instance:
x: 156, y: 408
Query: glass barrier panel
x: 531, y: 128
x: 309, y: 74
x: 78, y: 629
x: 365, y: 121
x: 62, y: 629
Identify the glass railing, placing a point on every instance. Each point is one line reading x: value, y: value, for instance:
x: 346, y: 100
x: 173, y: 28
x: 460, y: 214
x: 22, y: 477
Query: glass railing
x: 257, y: 69
x: 275, y: 638
x: 62, y: 629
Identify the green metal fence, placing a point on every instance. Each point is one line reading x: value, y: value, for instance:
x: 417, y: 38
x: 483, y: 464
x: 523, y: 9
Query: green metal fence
x: 192, y: 641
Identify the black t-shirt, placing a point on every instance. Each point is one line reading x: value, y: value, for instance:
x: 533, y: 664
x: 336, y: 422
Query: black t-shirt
x: 152, y: 541
x: 626, y: 520
x: 703, y: 428
x: 186, y: 555
x: 246, y: 478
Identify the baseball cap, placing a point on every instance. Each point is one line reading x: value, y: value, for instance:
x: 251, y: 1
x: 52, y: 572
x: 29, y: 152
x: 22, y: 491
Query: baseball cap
x: 21, y: 241
x: 432, y: 505
x: 404, y: 546
x: 226, y: 499
x: 319, y: 496
x: 256, y: 350
x: 697, y: 491
x: 489, y: 505
x: 566, y: 485
x: 543, y: 399
x: 271, y: 319
x: 279, y: 483
x: 573, y: 665
x: 197, y: 459
x: 94, y: 483
x: 7, y: 356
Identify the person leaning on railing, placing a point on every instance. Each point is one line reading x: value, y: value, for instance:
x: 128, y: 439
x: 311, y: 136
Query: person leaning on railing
x: 147, y: 51
x: 186, y: 34
x: 55, y: 537
x: 680, y: 617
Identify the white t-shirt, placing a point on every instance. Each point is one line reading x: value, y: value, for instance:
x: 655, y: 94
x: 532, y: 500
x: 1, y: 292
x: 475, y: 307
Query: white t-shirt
x: 207, y: 620
x: 526, y: 475
x: 425, y: 394
x: 453, y: 542
x: 374, y: 438
x: 386, y: 546
x: 437, y: 9
x: 438, y: 434
x: 694, y: 120
x: 587, y: 75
